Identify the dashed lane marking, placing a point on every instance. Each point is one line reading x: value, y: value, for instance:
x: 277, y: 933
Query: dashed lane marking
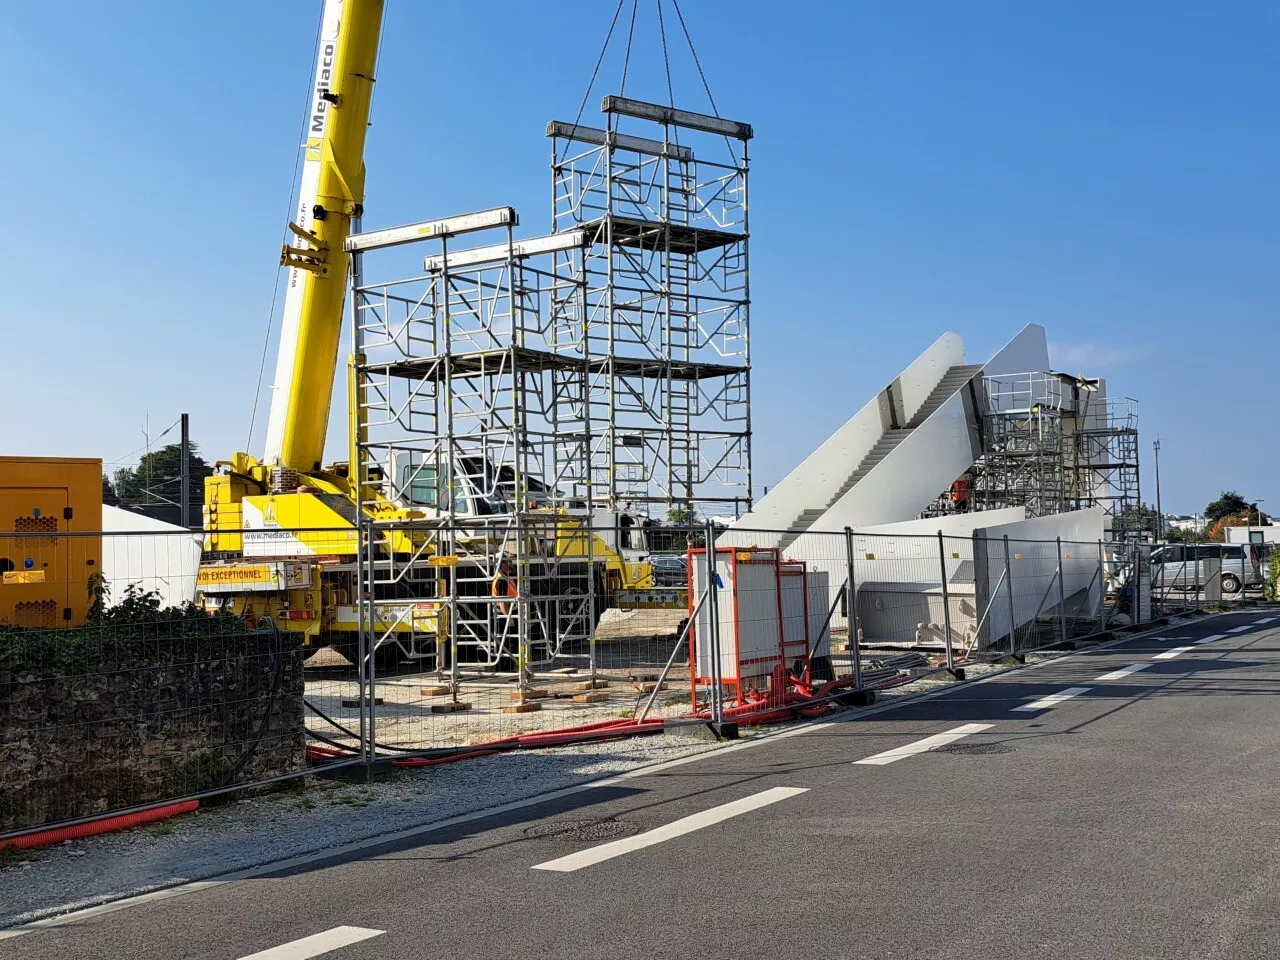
x: 316, y: 944
x: 1212, y: 637
x: 1170, y: 654
x: 678, y: 828
x: 925, y: 745
x: 1044, y: 703
x: 1125, y: 671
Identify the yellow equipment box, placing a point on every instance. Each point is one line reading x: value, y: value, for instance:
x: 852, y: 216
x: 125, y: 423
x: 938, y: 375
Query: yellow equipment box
x: 50, y: 539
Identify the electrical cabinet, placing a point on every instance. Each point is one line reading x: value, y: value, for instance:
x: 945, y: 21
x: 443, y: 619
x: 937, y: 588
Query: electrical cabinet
x: 50, y: 539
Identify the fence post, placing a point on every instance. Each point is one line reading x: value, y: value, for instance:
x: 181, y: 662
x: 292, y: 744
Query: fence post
x: 1062, y: 598
x: 851, y: 612
x: 1013, y: 623
x: 1199, y: 585
x: 1136, y: 567
x: 1102, y: 584
x: 946, y: 606
x: 713, y: 622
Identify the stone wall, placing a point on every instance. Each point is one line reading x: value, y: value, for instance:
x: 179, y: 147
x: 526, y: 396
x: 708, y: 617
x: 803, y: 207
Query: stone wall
x: 123, y: 729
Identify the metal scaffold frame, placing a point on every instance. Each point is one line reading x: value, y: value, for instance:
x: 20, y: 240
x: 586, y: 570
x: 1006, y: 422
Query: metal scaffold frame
x: 1052, y: 443
x: 524, y: 394
x: 1105, y: 468
x: 1022, y: 462
x: 666, y: 301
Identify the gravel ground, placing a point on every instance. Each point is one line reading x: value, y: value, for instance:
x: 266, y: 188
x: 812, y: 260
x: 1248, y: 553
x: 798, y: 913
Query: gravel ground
x: 316, y: 815
x: 319, y: 814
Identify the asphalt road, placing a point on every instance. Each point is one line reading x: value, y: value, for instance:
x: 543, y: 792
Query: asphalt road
x: 1067, y: 810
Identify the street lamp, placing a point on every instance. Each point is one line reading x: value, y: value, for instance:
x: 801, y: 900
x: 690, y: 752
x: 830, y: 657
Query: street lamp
x: 1159, y: 509
x: 1248, y: 521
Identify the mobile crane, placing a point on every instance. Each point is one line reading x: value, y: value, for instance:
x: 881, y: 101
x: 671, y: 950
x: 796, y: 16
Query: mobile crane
x: 282, y: 535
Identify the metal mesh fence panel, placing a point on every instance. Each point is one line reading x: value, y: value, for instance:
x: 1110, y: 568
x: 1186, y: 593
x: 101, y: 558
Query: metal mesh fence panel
x: 139, y: 667
x: 117, y: 691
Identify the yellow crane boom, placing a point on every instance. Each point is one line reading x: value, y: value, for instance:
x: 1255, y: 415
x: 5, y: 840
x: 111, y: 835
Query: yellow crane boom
x: 330, y: 197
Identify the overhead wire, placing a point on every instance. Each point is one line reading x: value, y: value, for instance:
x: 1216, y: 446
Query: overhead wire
x: 150, y: 440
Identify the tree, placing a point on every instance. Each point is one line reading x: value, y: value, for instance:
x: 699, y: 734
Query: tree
x: 109, y: 493
x: 680, y: 517
x: 157, y: 478
x: 1252, y: 517
x: 1227, y: 504
x: 1139, y: 518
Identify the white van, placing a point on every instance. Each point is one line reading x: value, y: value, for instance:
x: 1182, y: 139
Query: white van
x: 1182, y: 565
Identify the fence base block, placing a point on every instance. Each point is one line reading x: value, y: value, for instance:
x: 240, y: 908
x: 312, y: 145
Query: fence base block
x: 724, y: 730
x: 857, y: 698
x: 695, y: 729
x: 354, y: 702
x: 957, y: 672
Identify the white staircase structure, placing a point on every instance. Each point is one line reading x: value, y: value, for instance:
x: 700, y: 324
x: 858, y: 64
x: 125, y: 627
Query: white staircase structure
x: 893, y: 457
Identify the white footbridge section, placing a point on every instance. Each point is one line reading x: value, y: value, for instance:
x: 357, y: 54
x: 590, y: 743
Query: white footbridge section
x: 886, y: 465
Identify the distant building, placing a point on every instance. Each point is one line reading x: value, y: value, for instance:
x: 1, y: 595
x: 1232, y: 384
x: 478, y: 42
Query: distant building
x: 1183, y: 522
x: 1267, y: 534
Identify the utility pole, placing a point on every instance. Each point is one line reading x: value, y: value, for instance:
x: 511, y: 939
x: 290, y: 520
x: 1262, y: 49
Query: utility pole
x: 184, y: 475
x: 1159, y: 511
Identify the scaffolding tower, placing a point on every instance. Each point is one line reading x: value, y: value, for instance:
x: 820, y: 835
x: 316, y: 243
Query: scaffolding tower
x: 1023, y: 462
x: 666, y: 302
x: 535, y: 400
x: 1104, y: 468
x: 1053, y: 442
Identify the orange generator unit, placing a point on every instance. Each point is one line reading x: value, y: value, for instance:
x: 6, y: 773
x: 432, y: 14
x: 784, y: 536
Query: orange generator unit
x: 50, y: 540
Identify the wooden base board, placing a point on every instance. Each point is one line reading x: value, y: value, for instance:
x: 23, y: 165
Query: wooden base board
x: 450, y: 707
x: 522, y: 708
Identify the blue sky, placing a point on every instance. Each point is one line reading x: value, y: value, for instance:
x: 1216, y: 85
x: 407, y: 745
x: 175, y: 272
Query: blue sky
x: 1107, y: 169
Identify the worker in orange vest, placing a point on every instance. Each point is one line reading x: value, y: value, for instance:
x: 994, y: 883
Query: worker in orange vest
x: 504, y: 585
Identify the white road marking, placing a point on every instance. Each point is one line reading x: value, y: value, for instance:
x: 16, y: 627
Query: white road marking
x: 316, y: 944
x: 678, y: 828
x: 1044, y: 703
x: 1258, y: 623
x: 1170, y: 654
x: 1212, y: 637
x: 925, y: 745
x: 1125, y: 671
x: 1247, y: 626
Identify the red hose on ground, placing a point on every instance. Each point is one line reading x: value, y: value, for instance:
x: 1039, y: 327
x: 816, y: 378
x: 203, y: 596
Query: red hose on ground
x: 603, y: 730
x: 44, y: 838
x: 326, y: 753
x: 416, y: 762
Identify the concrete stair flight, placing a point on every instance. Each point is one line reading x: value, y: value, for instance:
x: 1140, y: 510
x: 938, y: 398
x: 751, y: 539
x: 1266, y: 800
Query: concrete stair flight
x: 952, y: 382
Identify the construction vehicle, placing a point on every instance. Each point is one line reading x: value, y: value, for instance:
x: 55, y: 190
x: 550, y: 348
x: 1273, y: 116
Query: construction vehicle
x: 282, y: 531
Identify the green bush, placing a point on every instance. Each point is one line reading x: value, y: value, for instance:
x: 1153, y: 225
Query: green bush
x: 1273, y: 576
x: 133, y: 630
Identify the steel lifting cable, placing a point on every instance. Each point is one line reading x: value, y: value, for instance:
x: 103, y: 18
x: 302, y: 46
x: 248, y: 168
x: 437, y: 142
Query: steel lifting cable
x: 666, y: 63
x: 617, y: 11
x: 275, y: 291
x: 701, y: 75
x: 626, y: 57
